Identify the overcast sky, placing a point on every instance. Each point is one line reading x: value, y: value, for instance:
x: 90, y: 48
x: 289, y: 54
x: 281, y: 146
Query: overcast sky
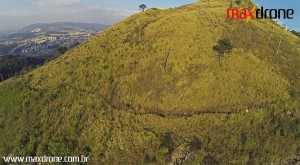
x: 16, y: 14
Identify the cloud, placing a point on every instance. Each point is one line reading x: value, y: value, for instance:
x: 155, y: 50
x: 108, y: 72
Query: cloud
x: 47, y: 11
x: 49, y: 3
x: 16, y: 14
x: 82, y: 13
x: 98, y: 10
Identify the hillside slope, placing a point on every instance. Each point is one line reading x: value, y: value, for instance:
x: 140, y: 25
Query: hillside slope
x: 151, y: 87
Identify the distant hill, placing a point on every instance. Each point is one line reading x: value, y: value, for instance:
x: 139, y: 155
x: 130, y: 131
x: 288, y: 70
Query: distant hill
x: 43, y: 39
x: 34, y: 29
x: 152, y: 89
x: 61, y: 26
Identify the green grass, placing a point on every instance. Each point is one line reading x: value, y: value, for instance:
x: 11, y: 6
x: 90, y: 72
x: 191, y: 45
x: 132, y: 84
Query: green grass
x: 117, y: 96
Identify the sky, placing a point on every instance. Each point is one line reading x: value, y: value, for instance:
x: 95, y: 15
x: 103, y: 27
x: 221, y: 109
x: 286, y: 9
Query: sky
x: 16, y: 14
x: 294, y: 23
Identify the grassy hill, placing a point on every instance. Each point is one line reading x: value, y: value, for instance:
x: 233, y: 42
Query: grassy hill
x: 150, y: 89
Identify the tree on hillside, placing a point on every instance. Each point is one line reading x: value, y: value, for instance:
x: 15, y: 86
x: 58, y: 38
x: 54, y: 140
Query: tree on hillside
x: 238, y: 1
x: 61, y: 50
x: 224, y: 46
x: 142, y: 7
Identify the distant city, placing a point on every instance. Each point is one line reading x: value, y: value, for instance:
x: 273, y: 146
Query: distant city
x: 44, y: 39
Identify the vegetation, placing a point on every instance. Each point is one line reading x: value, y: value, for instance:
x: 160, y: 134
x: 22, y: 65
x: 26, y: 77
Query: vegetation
x: 11, y: 66
x: 142, y: 7
x: 14, y: 65
x: 296, y: 33
x: 224, y: 46
x: 62, y: 50
x: 148, y: 89
x: 231, y: 4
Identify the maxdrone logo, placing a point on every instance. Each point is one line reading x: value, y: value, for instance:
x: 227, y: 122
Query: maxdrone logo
x: 247, y: 14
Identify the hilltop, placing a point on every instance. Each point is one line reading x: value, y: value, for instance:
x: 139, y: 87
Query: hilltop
x: 150, y: 89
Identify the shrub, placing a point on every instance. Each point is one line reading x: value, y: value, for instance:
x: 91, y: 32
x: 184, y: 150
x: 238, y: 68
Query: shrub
x: 209, y: 160
x: 195, y: 143
x: 225, y: 45
x: 62, y: 50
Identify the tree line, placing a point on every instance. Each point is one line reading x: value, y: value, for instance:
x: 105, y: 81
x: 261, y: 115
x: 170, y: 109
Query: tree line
x: 14, y: 65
